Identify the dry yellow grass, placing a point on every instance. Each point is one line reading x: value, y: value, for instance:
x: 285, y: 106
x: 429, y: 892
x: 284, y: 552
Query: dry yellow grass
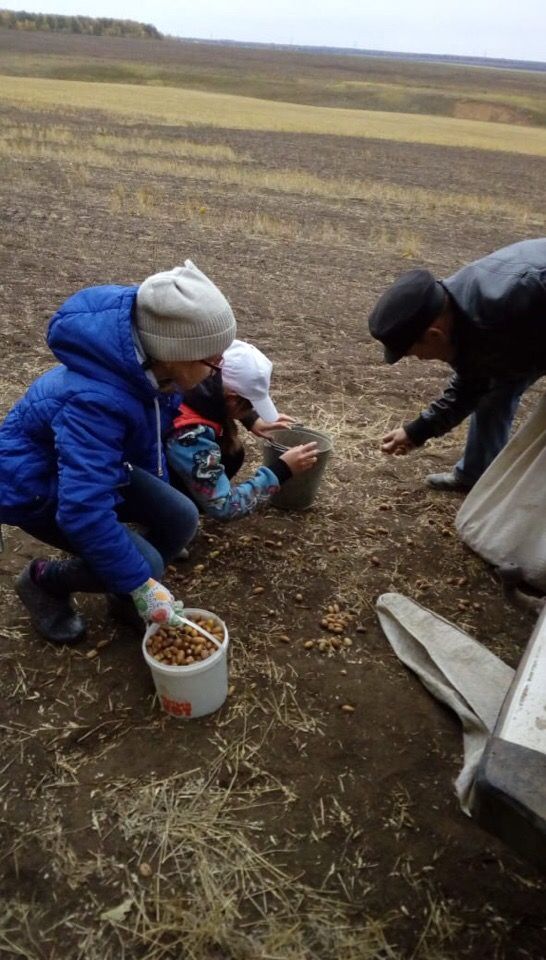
x: 170, y: 148
x: 288, y: 181
x: 182, y: 107
x: 34, y: 136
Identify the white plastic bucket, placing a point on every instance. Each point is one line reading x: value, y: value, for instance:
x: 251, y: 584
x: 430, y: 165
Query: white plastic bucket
x: 195, y: 690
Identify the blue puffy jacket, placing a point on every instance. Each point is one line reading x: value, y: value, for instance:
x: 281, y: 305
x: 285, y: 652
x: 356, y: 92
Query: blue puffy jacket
x: 67, y: 446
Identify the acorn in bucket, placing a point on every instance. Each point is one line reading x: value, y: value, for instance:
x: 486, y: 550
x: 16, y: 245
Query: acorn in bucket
x: 189, y: 663
x: 182, y: 646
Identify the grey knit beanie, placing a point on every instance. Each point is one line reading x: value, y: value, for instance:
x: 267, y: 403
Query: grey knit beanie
x: 182, y: 315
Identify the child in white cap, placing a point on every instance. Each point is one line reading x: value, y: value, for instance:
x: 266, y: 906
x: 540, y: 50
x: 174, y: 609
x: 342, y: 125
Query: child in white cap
x: 204, y: 450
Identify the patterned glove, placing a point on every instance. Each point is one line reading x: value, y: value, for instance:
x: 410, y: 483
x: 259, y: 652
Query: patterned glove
x: 178, y: 607
x: 156, y: 604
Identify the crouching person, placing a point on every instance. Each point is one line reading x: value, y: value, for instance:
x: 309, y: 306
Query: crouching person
x: 81, y: 452
x: 205, y: 451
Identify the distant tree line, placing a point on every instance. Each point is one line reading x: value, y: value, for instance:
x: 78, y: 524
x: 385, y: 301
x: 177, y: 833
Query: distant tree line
x: 95, y: 26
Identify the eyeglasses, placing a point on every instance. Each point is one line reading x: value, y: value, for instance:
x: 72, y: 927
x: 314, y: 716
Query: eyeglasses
x: 216, y: 367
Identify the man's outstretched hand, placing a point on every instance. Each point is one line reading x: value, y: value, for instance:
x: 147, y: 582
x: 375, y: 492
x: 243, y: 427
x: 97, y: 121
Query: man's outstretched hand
x: 397, y: 442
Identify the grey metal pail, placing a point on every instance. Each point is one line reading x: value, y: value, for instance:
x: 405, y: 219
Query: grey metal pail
x: 299, y: 491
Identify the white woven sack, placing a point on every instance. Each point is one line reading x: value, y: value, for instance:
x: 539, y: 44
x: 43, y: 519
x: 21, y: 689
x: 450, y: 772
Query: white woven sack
x: 504, y: 516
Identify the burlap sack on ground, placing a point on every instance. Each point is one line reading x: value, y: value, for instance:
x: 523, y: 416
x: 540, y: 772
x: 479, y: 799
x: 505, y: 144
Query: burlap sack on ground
x: 503, y: 518
x: 455, y: 669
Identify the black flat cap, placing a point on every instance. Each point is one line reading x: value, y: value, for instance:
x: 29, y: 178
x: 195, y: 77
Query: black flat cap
x: 404, y: 311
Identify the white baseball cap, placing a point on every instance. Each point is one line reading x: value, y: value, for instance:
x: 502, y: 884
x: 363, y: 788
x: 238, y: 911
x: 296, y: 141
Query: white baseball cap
x: 247, y: 371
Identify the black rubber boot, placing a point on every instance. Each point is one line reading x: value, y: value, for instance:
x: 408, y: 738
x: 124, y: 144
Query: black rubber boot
x: 122, y: 608
x: 51, y: 616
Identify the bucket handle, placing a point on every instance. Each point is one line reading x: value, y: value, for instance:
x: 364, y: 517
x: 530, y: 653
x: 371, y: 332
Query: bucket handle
x: 203, y: 631
x: 288, y: 426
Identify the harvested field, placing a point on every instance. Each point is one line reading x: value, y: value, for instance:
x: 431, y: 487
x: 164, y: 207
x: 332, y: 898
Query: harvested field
x: 171, y: 105
x: 282, y: 828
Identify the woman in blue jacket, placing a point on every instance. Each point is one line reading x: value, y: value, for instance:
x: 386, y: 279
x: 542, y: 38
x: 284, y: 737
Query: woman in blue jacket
x: 81, y: 452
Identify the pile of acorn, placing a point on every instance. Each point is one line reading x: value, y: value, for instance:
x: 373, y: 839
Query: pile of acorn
x: 334, y: 620
x: 326, y: 644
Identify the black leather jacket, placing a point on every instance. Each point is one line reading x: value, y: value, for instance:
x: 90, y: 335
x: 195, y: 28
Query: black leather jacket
x: 499, y: 332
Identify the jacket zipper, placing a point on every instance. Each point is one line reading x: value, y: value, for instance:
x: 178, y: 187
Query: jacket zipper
x: 158, y: 428
x: 158, y: 431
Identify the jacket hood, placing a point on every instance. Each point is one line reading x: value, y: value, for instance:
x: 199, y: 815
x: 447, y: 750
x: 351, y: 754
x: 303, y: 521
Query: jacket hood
x: 92, y: 334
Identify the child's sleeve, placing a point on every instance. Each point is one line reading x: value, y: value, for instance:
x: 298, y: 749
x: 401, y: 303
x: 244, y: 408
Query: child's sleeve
x: 196, y: 457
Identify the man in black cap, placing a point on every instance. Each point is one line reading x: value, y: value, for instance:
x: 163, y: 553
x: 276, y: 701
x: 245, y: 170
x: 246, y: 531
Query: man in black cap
x: 488, y: 321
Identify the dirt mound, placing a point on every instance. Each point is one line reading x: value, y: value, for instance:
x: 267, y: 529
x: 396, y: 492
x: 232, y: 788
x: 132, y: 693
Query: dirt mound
x: 489, y: 112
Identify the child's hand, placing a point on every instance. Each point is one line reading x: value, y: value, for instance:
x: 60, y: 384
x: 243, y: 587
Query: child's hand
x: 262, y: 428
x: 301, y: 458
x: 156, y: 604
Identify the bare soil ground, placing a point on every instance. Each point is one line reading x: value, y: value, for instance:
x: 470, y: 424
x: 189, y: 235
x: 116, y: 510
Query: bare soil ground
x: 281, y: 827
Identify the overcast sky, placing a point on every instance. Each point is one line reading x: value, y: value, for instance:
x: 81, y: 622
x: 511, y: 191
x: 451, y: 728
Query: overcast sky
x: 494, y: 28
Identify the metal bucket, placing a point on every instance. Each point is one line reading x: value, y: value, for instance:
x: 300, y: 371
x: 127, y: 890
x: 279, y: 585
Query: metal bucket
x: 299, y: 491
